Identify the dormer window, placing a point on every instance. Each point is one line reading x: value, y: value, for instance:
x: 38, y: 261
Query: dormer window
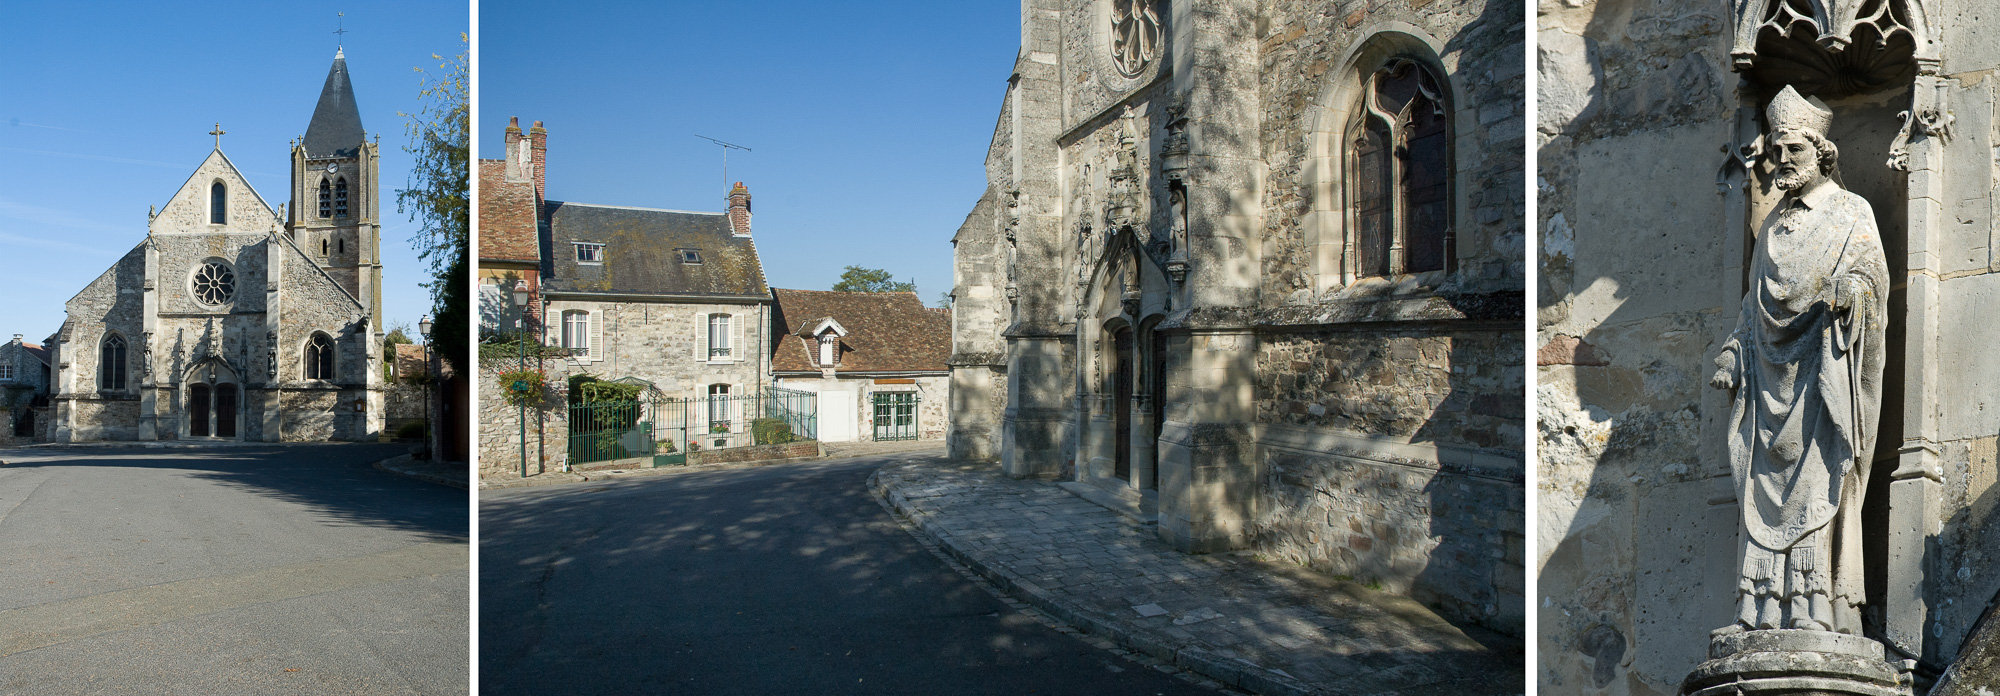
x: 691, y: 256
x: 340, y: 197
x: 325, y: 199
x: 829, y: 349
x: 587, y: 252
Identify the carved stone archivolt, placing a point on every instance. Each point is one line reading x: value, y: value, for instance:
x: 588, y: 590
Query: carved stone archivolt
x: 1832, y: 48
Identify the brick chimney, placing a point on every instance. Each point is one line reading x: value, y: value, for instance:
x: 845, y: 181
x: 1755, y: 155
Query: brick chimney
x: 513, y: 160
x: 739, y: 210
x: 540, y: 137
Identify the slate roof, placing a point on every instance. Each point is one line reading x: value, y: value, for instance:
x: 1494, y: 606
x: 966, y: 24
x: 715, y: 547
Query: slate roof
x: 642, y: 253
x: 336, y: 122
x: 39, y: 352
x: 506, y: 215
x: 886, y: 331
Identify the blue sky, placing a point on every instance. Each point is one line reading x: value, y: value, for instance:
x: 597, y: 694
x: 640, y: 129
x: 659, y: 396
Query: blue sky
x: 868, y: 122
x: 106, y: 110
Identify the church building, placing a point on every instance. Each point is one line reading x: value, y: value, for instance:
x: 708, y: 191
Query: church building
x: 234, y: 321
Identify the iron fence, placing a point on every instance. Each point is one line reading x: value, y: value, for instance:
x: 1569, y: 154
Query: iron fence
x: 667, y: 428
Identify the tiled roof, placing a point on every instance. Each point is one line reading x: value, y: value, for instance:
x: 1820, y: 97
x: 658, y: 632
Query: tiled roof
x: 642, y: 253
x: 506, y: 215
x: 409, y: 360
x: 886, y: 331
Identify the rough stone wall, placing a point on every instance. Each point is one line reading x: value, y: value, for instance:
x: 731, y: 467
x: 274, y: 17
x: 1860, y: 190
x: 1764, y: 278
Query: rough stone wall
x: 1458, y: 389
x: 500, y: 422
x: 1641, y: 276
x: 403, y: 403
x: 31, y: 375
x: 656, y: 342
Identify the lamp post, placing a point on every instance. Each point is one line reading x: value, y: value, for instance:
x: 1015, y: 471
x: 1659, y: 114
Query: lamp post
x: 424, y: 329
x: 521, y: 310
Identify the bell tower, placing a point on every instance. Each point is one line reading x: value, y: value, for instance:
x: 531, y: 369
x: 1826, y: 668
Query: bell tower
x: 335, y: 215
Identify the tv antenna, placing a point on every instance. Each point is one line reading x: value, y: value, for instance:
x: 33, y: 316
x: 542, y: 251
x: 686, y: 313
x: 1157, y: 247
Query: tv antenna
x: 725, y: 159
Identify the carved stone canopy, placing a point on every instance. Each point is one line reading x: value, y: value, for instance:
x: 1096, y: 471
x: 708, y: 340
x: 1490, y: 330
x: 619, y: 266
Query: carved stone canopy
x: 1833, y: 48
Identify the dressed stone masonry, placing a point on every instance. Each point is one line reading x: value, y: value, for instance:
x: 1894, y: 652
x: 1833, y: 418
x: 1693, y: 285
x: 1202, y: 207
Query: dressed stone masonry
x: 1832, y: 507
x: 1253, y: 269
x: 233, y: 321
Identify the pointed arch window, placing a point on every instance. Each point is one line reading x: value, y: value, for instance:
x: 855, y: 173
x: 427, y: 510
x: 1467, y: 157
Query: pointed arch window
x: 111, y: 364
x: 340, y: 197
x: 325, y: 199
x: 319, y: 357
x: 1399, y: 149
x: 218, y: 204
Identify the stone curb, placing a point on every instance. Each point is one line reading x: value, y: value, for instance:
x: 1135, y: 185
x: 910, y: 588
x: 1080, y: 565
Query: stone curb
x: 1188, y: 655
x: 391, y: 465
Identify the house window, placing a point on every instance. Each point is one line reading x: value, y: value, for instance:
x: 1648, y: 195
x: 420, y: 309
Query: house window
x: 340, y: 197
x: 7, y: 372
x: 691, y: 256
x: 218, y: 201
x: 576, y: 331
x: 111, y: 364
x: 325, y: 199
x: 319, y: 357
x: 829, y: 349
x: 1399, y: 150
x: 718, y: 408
x: 718, y: 337
x: 589, y: 253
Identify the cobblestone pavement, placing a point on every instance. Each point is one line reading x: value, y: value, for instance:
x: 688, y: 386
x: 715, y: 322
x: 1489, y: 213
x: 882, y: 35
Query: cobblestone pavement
x: 1266, y: 627
x: 840, y: 450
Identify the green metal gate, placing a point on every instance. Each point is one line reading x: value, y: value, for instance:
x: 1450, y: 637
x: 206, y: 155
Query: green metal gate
x: 666, y: 428
x: 895, y: 415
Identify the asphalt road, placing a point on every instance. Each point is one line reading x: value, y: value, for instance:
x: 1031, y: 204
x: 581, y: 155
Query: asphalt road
x: 240, y: 570
x: 787, y: 579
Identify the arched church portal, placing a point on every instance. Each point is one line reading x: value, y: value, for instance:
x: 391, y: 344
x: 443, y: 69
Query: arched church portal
x: 212, y: 402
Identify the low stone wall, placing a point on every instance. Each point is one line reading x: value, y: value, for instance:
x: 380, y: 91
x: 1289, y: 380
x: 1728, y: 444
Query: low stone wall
x: 500, y: 423
x: 757, y: 453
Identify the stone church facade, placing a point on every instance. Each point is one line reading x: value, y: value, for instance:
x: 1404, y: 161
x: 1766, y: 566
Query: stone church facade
x: 1657, y: 164
x: 1253, y: 270
x: 233, y: 321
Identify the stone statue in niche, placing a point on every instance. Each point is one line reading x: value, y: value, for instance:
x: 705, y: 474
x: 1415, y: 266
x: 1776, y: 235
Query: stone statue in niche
x: 1805, y: 366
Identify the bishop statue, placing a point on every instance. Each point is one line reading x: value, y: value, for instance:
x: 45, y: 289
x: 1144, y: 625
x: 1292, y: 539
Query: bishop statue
x: 1804, y: 366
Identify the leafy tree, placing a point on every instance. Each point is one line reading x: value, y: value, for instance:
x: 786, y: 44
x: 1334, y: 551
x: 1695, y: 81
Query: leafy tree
x: 398, y: 334
x: 858, y: 279
x: 944, y: 300
x: 439, y: 194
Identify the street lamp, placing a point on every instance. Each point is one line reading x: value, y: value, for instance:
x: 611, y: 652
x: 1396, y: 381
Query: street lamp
x: 521, y: 321
x: 424, y: 329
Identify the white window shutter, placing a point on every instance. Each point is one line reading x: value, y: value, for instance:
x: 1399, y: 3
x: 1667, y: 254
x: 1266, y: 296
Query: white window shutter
x: 701, y: 338
x: 737, y: 348
x: 595, y: 321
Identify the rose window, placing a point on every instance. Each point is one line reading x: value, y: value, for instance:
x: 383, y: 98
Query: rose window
x: 214, y: 283
x: 1135, y: 35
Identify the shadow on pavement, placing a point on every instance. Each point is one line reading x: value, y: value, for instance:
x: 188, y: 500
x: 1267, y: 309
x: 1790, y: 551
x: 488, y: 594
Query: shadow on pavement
x: 336, y: 481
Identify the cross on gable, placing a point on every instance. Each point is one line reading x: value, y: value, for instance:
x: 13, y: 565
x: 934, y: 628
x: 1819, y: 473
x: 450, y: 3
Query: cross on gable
x: 218, y: 133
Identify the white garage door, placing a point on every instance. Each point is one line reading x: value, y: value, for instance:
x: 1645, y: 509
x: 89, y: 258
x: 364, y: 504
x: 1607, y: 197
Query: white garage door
x: 837, y: 421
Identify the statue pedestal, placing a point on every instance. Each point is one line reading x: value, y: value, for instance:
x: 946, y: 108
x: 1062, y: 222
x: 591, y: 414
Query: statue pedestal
x: 1795, y: 663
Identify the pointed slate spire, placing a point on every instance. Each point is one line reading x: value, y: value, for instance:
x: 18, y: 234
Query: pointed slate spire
x: 336, y: 123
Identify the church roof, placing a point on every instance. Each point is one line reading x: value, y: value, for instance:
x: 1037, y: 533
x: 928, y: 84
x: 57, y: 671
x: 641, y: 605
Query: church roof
x: 643, y: 253
x: 886, y: 331
x: 336, y: 123
x: 506, y: 215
